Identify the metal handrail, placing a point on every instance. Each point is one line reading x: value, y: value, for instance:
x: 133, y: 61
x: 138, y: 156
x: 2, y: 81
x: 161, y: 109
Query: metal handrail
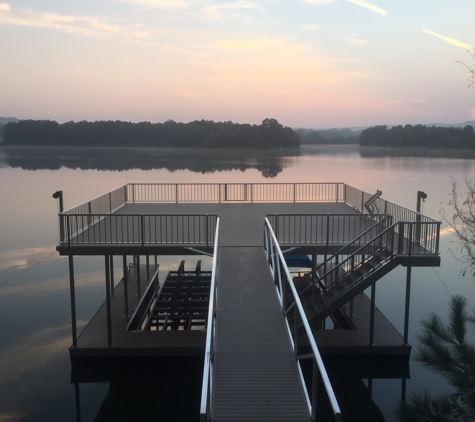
x: 138, y: 228
x: 395, y: 245
x: 206, y: 387
x: 349, y: 245
x: 313, y: 229
x: 235, y: 192
x: 352, y: 264
x: 281, y: 272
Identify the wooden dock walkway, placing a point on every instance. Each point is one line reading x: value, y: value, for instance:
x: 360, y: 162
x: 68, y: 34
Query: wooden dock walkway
x: 256, y: 377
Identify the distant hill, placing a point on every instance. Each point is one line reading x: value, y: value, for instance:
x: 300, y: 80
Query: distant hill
x: 462, y: 125
x: 3, y: 122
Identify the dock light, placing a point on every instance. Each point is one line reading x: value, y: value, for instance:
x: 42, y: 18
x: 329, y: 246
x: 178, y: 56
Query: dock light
x: 59, y: 195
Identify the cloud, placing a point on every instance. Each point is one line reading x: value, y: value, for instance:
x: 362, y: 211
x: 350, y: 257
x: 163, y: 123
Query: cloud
x: 23, y: 258
x: 160, y: 4
x: 418, y: 101
x: 268, y: 60
x: 319, y: 1
x: 473, y: 112
x: 215, y: 11
x: 311, y: 28
x: 446, y: 232
x: 5, y: 7
x: 369, y: 6
x: 356, y: 41
x: 452, y: 41
x: 79, y: 25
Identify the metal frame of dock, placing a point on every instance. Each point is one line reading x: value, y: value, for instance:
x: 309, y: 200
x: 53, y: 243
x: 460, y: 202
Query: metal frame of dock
x: 260, y: 323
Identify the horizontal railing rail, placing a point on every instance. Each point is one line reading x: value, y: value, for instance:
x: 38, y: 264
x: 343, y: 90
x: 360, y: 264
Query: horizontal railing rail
x: 283, y: 282
x: 102, y: 204
x: 323, y: 229
x: 208, y: 367
x: 139, y: 229
x: 235, y: 192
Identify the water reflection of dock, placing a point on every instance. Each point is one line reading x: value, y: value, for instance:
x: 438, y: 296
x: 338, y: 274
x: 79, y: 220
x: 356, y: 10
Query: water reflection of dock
x: 256, y: 325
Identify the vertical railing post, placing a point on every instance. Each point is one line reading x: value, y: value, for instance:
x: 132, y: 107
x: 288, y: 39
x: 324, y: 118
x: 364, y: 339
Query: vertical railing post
x: 295, y: 193
x: 72, y: 292
x: 69, y: 229
x: 126, y: 281
x: 372, y: 312
x: 206, y: 229
x: 176, y: 193
x: 111, y: 272
x: 408, y: 290
x: 142, y: 230
x: 137, y: 274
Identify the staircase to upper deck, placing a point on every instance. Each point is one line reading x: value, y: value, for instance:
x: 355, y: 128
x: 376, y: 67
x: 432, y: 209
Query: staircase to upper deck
x: 349, y: 272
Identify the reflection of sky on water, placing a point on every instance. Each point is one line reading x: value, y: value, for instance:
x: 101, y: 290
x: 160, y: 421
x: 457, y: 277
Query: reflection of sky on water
x: 34, y: 306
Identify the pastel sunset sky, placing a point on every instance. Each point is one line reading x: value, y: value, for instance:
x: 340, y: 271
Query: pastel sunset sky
x: 307, y: 63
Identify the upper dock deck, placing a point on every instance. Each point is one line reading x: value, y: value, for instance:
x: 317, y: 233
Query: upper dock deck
x: 140, y: 219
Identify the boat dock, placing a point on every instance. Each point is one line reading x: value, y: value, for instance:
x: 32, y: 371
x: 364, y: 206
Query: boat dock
x: 251, y: 319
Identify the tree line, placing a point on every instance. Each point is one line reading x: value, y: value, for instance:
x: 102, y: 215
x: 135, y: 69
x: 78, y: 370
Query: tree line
x: 329, y: 136
x: 201, y: 134
x: 419, y: 136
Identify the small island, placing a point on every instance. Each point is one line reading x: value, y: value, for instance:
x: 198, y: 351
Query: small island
x: 269, y: 134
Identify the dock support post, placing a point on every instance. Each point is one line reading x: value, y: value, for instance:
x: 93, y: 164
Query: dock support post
x: 371, y: 318
x: 147, y: 261
x: 112, y: 274
x: 108, y: 302
x: 408, y: 289
x: 137, y: 274
x: 315, y: 376
x: 77, y: 397
x: 72, y: 292
x: 126, y: 281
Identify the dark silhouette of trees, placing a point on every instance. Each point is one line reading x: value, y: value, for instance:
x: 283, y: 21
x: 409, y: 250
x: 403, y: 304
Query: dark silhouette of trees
x: 196, y: 134
x: 470, y: 68
x: 419, y: 136
x: 328, y: 136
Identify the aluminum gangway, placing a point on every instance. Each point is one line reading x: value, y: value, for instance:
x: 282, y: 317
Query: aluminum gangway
x: 255, y: 373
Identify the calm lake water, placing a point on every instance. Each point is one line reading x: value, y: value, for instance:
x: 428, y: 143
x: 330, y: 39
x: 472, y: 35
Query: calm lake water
x: 35, y: 371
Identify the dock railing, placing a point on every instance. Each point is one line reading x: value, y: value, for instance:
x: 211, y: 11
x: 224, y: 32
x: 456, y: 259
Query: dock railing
x: 94, y: 211
x: 139, y: 229
x: 208, y: 367
x: 234, y: 192
x: 283, y: 281
x: 323, y: 229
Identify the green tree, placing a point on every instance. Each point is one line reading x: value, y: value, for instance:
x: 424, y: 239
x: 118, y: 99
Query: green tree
x: 446, y: 350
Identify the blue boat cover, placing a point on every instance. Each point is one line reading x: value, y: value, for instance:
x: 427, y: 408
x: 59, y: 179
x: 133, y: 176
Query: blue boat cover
x: 300, y: 261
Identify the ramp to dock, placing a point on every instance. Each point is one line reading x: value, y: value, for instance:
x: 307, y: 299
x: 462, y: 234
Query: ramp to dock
x: 256, y: 377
